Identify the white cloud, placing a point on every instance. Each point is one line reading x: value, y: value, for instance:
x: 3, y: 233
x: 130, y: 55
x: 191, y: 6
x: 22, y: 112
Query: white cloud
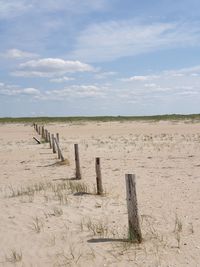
x: 14, y: 90
x: 150, y: 85
x: 50, y: 67
x: 20, y: 73
x: 169, y: 84
x: 74, y: 6
x: 104, y: 75
x: 75, y: 91
x: 62, y: 79
x: 112, y: 40
x: 16, y: 53
x: 139, y: 78
x: 135, y: 78
x: 187, y: 93
x: 31, y: 91
x: 195, y: 74
x: 193, y: 71
x: 13, y: 8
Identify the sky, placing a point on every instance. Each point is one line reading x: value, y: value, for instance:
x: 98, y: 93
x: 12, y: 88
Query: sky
x: 99, y: 57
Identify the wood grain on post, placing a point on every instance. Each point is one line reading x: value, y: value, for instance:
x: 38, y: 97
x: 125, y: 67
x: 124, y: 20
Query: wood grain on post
x: 77, y: 162
x: 46, y: 135
x: 53, y: 143
x: 57, y: 136
x: 60, y: 156
x: 49, y: 137
x: 133, y: 217
x: 43, y: 132
x: 36, y: 140
x: 98, y: 177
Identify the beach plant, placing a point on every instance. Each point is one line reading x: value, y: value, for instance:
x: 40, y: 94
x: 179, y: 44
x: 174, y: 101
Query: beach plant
x: 37, y: 225
x: 78, y: 187
x: 14, y: 256
x: 177, y: 230
x: 98, y: 228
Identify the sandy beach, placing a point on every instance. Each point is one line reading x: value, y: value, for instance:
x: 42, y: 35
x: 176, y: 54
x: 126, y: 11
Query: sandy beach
x: 49, y: 219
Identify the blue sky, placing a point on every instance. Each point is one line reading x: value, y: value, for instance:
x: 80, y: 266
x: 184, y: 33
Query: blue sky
x: 99, y: 57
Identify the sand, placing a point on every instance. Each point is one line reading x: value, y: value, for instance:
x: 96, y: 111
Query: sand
x: 45, y: 220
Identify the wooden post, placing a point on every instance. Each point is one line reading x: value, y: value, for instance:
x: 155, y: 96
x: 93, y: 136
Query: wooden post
x: 98, y: 177
x: 133, y: 218
x: 60, y: 156
x: 49, y: 137
x: 57, y: 136
x: 53, y: 143
x: 46, y: 135
x: 36, y: 140
x: 77, y: 162
x: 39, y: 130
x: 43, y: 132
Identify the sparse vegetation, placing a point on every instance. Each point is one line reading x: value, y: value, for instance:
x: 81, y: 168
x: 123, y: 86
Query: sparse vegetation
x: 78, y: 187
x: 37, y: 225
x: 97, y: 227
x: 177, y: 231
x: 14, y: 256
x: 100, y: 118
x: 69, y: 218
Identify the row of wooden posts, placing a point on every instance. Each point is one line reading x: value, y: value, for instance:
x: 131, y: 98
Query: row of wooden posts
x: 54, y: 142
x: 133, y: 217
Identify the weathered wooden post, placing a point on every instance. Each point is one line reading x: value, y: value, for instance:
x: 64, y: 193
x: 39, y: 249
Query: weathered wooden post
x: 133, y: 217
x: 57, y: 137
x: 60, y: 156
x: 49, y: 137
x: 98, y: 177
x: 36, y: 140
x: 46, y: 136
x: 53, y: 143
x: 39, y: 130
x: 77, y: 162
x: 43, y: 132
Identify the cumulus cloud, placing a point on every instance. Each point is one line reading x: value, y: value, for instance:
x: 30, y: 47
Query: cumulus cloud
x: 18, y: 54
x: 14, y: 90
x: 115, y: 39
x: 75, y: 91
x: 165, y: 85
x: 50, y: 67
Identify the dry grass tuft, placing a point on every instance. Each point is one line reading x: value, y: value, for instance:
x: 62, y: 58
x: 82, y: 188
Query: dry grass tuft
x: 14, y: 256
